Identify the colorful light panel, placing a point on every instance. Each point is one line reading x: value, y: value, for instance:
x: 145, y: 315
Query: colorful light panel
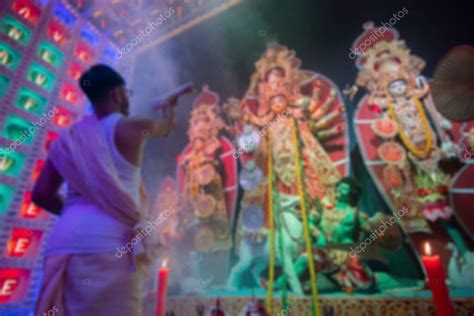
x: 27, y: 10
x: 69, y: 93
x: 90, y: 37
x: 6, y: 196
x: 19, y: 243
x: 39, y: 164
x: 30, y: 101
x: 15, y: 30
x: 84, y: 53
x: 9, y: 57
x: 63, y: 118
x: 13, y: 284
x: 50, y: 137
x: 75, y: 71
x: 11, y: 163
x: 50, y: 54
x: 64, y: 15
x: 4, y: 83
x: 29, y: 209
x: 16, y: 130
x: 41, y: 77
x: 57, y: 33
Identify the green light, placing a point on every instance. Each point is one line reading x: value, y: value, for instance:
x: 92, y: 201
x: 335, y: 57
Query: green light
x: 16, y: 130
x: 4, y: 82
x: 9, y: 57
x: 11, y: 163
x: 15, y: 30
x: 50, y: 54
x: 41, y: 77
x: 6, y: 196
x: 30, y: 101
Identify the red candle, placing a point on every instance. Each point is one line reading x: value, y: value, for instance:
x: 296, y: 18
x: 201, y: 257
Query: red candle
x: 437, y: 282
x: 162, y: 288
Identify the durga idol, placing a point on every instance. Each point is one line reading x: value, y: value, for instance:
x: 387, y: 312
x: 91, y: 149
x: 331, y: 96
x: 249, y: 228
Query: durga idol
x: 288, y: 117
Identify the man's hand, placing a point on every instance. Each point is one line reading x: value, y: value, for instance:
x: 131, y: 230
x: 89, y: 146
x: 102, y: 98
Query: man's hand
x: 170, y: 120
x: 171, y: 99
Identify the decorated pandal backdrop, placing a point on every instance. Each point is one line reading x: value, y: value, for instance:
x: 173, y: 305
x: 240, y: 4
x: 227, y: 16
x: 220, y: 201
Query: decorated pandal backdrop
x: 268, y: 221
x: 267, y: 203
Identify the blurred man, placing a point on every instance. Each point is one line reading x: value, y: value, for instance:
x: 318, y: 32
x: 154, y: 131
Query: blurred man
x: 99, y: 158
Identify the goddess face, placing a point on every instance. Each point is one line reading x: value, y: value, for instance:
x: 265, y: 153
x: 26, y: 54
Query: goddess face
x: 397, y: 88
x: 275, y: 77
x: 278, y: 104
x: 198, y: 144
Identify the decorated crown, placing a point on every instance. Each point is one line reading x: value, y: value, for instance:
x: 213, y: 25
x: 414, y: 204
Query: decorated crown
x: 276, y: 57
x: 378, y: 47
x: 205, y: 105
x: 206, y: 97
x: 369, y: 38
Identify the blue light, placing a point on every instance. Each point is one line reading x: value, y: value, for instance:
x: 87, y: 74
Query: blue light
x: 89, y: 36
x: 109, y: 53
x: 43, y: 2
x: 63, y: 14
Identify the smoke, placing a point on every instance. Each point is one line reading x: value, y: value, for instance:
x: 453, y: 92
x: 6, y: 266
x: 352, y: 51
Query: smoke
x: 208, y: 54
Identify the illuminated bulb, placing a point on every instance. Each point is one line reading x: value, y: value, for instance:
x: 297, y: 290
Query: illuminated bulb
x: 69, y: 96
x: 427, y: 249
x: 32, y: 210
x: 4, y: 58
x: 29, y: 104
x: 58, y: 36
x: 25, y: 12
x: 76, y: 74
x: 39, y: 79
x: 62, y: 120
x: 5, y: 163
x: 15, y: 34
x: 47, y: 56
x: 82, y: 55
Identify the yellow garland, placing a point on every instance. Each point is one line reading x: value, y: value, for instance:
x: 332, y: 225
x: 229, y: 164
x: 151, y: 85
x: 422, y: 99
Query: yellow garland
x: 192, y: 167
x: 420, y: 153
x: 271, y: 270
x: 304, y: 215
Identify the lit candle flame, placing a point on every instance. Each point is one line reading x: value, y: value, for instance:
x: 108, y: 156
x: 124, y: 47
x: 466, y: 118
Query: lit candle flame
x: 164, y: 263
x: 428, y: 248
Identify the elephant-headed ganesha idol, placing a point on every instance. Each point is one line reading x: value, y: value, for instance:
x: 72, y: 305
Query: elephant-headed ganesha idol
x: 293, y: 147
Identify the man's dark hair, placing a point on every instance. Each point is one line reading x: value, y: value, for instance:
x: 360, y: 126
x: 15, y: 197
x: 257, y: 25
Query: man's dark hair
x: 99, y: 80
